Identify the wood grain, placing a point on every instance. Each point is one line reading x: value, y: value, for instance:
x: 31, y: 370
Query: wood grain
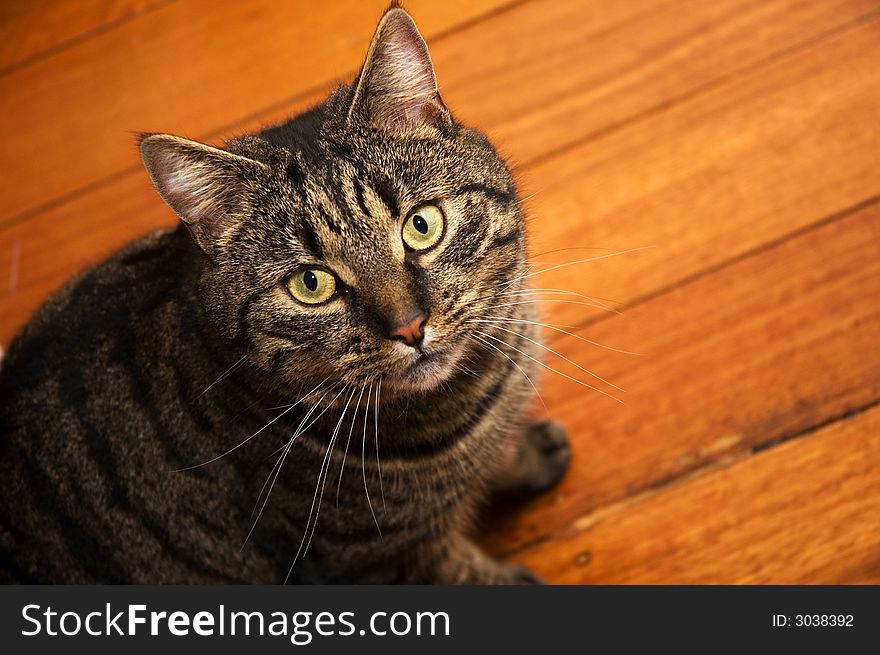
x: 716, y: 176
x: 804, y: 512
x: 589, y: 67
x: 31, y: 28
x: 766, y: 347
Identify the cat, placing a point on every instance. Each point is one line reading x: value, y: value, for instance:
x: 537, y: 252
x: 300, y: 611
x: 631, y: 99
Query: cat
x: 309, y: 379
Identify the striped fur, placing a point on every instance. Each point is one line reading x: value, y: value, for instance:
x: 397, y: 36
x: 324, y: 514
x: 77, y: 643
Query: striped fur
x: 149, y: 408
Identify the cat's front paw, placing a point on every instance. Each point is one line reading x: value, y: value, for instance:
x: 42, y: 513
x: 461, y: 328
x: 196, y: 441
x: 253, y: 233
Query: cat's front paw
x: 540, y: 464
x: 514, y: 574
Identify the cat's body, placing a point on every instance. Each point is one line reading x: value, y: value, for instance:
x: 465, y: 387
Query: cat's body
x: 149, y: 410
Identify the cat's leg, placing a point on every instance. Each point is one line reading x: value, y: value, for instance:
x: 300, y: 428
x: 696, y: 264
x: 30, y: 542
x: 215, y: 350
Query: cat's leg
x: 537, y: 461
x: 463, y: 562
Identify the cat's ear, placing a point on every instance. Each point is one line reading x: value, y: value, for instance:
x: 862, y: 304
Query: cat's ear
x: 209, y: 189
x: 397, y: 89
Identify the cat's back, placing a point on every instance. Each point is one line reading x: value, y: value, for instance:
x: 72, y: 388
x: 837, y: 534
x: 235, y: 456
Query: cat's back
x: 97, y: 310
x: 88, y: 432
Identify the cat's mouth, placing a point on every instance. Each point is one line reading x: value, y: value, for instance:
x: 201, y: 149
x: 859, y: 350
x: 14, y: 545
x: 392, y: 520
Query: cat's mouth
x: 425, y: 358
x: 424, y: 369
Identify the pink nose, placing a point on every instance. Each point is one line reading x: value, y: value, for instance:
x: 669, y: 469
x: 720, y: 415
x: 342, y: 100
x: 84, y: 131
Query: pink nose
x: 411, y: 333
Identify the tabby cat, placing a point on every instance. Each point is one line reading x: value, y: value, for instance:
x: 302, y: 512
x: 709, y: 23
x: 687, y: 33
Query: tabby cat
x: 310, y: 380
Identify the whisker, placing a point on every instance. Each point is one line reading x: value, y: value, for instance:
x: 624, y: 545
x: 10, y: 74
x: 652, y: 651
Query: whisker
x: 301, y: 429
x: 601, y: 303
x: 550, y: 350
x: 579, y: 261
x: 590, y: 259
x: 367, y: 412
x: 459, y: 367
x: 223, y: 376
x: 280, y: 463
x: 276, y: 469
x: 497, y: 349
x: 542, y: 301
x: 348, y: 441
x: 322, y: 482
x: 263, y: 488
x: 234, y: 448
x: 503, y: 285
x: 538, y: 291
x: 530, y: 196
x: 550, y: 368
x: 364, y: 471
x: 555, y: 250
x: 567, y: 292
x: 503, y: 320
x: 379, y: 468
x: 547, y: 290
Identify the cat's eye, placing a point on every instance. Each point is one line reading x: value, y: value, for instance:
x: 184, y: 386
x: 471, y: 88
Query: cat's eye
x: 423, y: 227
x: 312, y: 285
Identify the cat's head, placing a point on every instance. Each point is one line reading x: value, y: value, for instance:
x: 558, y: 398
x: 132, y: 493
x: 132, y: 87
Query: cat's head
x: 354, y: 241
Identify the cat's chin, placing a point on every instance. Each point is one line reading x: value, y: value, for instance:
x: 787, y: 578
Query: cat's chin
x: 424, y: 371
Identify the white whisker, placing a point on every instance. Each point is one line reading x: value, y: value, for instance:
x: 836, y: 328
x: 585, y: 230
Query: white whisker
x: 263, y: 488
x: 280, y: 463
x: 550, y: 368
x: 538, y: 296
x: 555, y: 250
x: 550, y: 350
x: 234, y: 448
x: 497, y: 349
x: 541, y: 291
x: 364, y: 467
x: 322, y: 483
x: 541, y: 301
x: 378, y: 467
x: 348, y: 441
x: 504, y: 319
x: 531, y: 273
x: 535, y: 292
x: 587, y: 260
x: 223, y: 376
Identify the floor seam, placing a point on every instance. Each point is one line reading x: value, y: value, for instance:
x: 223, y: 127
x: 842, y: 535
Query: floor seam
x: 614, y: 507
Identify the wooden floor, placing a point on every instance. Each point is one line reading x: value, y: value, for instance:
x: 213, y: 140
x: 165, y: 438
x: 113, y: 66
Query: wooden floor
x: 733, y: 146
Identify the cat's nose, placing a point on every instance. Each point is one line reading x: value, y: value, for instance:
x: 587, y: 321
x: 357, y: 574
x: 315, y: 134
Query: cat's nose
x: 410, y: 333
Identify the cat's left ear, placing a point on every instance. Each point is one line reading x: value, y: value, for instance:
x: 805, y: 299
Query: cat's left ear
x: 397, y: 89
x: 211, y: 190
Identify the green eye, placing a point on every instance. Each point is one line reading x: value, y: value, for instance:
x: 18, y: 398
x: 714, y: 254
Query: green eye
x: 312, y: 285
x: 423, y: 227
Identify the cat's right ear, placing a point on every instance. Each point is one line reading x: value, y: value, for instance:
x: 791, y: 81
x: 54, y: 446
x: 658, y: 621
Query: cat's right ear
x: 209, y: 189
x: 396, y: 90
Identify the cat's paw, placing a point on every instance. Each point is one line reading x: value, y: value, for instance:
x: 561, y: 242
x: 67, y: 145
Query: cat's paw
x: 514, y: 574
x: 540, y: 464
x: 548, y: 440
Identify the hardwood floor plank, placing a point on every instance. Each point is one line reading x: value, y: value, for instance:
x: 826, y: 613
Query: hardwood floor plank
x: 767, y: 347
x: 804, y: 512
x: 554, y: 72
x: 715, y: 177
x: 32, y: 28
x: 629, y: 189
